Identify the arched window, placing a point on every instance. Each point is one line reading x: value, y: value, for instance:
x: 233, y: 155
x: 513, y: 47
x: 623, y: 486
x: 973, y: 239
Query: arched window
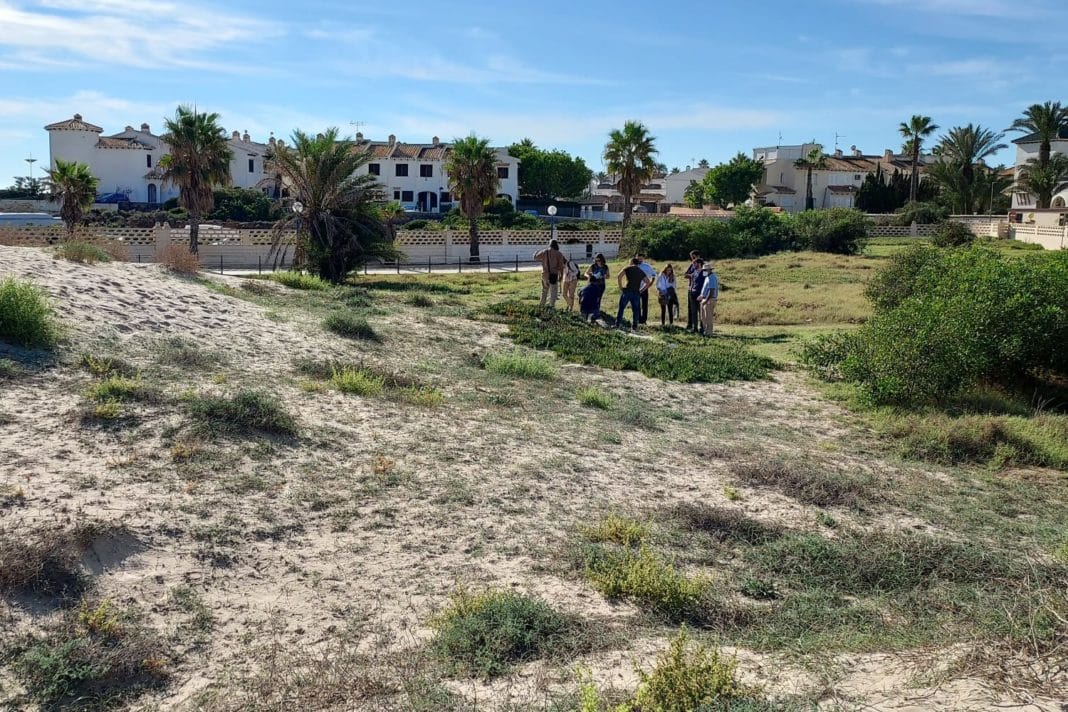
x: 1058, y: 202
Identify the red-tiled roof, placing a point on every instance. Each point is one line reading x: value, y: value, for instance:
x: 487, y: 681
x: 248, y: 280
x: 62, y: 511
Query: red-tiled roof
x: 111, y: 142
x: 73, y: 124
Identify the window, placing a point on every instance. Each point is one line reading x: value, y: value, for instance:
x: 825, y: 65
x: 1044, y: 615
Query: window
x: 402, y: 169
x: 374, y: 169
x: 148, y: 161
x: 502, y: 172
x: 426, y: 170
x: 252, y: 165
x: 856, y: 176
x: 407, y: 196
x: 396, y: 195
x: 445, y: 197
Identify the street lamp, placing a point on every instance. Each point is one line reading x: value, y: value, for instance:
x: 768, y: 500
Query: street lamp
x: 31, y: 160
x: 552, y: 221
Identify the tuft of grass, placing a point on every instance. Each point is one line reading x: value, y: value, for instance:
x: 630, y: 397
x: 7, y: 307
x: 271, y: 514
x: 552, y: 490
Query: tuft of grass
x: 46, y: 561
x: 808, y: 484
x: 357, y: 382
x: 487, y: 633
x: 351, y: 326
x: 690, y: 677
x: 637, y: 413
x: 109, y: 410
x: 106, y: 366
x: 243, y: 412
x: 617, y: 530
x: 420, y: 300
x: 425, y: 396
x: 10, y: 369
x: 176, y: 351
x: 299, y: 280
x: 731, y: 493
x: 520, y: 365
x: 82, y: 251
x: 649, y: 581
x: 26, y: 318
x: 594, y: 397
x: 724, y: 524
x: 115, y: 389
x: 177, y: 258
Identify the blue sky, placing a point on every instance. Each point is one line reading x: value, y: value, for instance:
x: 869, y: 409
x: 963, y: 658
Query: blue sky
x: 708, y: 78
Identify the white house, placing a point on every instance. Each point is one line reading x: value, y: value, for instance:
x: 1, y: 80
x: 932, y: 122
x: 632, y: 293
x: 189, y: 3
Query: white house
x: 835, y: 186
x: 1027, y: 149
x: 414, y: 173
x: 128, y: 162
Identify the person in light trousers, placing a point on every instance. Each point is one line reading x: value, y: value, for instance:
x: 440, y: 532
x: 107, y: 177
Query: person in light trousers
x: 709, y: 297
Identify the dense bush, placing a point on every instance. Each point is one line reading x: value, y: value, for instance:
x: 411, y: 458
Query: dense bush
x: 838, y: 230
x: 921, y: 214
x: 672, y: 239
x: 244, y: 412
x: 961, y: 318
x: 895, y: 283
x: 757, y: 231
x: 26, y: 319
x: 242, y: 205
x: 953, y: 234
x: 82, y: 251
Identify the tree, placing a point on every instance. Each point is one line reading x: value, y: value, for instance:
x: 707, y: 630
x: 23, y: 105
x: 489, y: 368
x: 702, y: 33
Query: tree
x: 915, y: 131
x: 472, y: 169
x: 1048, y: 121
x: 339, y: 226
x: 629, y: 155
x: 732, y: 182
x: 390, y: 212
x: 961, y: 152
x: 75, y: 186
x: 546, y: 175
x: 199, y: 160
x: 241, y: 205
x: 1042, y: 181
x: 814, y: 160
x: 703, y: 163
x: 694, y: 195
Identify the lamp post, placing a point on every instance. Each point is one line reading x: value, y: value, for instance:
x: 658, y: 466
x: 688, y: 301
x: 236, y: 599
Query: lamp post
x: 991, y: 211
x: 552, y: 221
x: 33, y: 186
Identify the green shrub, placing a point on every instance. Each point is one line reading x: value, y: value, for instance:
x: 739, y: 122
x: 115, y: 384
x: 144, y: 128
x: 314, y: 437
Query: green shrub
x: 897, y: 281
x: 299, y: 280
x: 687, y: 678
x: 838, y: 230
x: 418, y: 224
x: 241, y: 205
x: 243, y: 412
x: 10, y: 369
x: 420, y: 300
x: 595, y: 398
x: 82, y: 251
x: 351, y: 326
x: 1041, y: 440
x: 921, y: 214
x: 760, y: 231
x: 116, y: 388
x: 649, y: 581
x: 487, y: 633
x: 421, y: 395
x: 26, y: 319
x: 520, y: 365
x: 953, y: 234
x: 357, y: 382
x: 617, y: 530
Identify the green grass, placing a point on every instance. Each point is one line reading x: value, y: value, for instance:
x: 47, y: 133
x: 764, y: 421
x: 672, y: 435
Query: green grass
x: 617, y: 530
x: 26, y: 318
x: 299, y: 280
x: 648, y: 580
x: 425, y: 396
x: 82, y: 251
x: 107, y: 366
x: 487, y: 633
x: 351, y: 326
x: 246, y: 411
x: 595, y: 398
x: 183, y: 353
x: 357, y: 382
x: 121, y: 389
x: 10, y: 369
x: 809, y: 483
x: 520, y: 365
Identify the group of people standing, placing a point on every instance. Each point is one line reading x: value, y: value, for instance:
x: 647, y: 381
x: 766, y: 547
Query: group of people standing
x: 635, y: 282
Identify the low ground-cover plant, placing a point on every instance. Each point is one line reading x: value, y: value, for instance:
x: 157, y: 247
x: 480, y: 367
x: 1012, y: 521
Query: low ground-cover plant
x: 594, y: 397
x: 520, y: 365
x: 26, y: 318
x: 617, y: 530
x: 723, y: 524
x: 178, y: 351
x: 810, y: 484
x: 246, y: 411
x: 82, y: 251
x: 97, y: 657
x: 953, y: 234
x: 46, y: 560
x: 10, y: 369
x: 351, y: 326
x: 487, y: 633
x: 107, y: 365
x: 300, y: 280
x: 117, y: 388
x: 650, y: 581
x: 570, y: 338
x: 177, y: 258
x: 357, y: 382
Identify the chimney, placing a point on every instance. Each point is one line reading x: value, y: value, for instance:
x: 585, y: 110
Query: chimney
x: 236, y: 136
x: 837, y: 153
x: 436, y: 141
x: 244, y: 136
x: 888, y: 155
x: 392, y: 139
x: 144, y: 128
x: 271, y: 140
x: 129, y: 128
x: 359, y: 136
x: 77, y: 117
x: 854, y: 150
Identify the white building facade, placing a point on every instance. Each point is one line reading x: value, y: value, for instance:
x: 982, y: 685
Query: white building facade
x: 127, y: 163
x: 1026, y: 150
x: 413, y: 174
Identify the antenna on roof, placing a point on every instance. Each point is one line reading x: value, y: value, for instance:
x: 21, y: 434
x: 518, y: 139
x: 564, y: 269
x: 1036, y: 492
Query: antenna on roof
x: 780, y: 140
x: 836, y: 137
x: 357, y: 124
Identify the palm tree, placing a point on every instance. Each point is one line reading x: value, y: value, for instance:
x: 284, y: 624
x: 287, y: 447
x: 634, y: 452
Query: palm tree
x: 1043, y: 181
x: 336, y: 213
x: 75, y: 187
x: 1048, y: 122
x: 390, y: 212
x: 472, y: 171
x: 961, y: 152
x: 199, y: 160
x: 629, y: 156
x: 915, y: 131
x: 814, y: 160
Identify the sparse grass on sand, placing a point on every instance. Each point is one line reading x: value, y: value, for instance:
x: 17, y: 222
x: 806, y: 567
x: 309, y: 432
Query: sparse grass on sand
x: 246, y: 411
x: 351, y: 326
x: 299, y: 280
x: 82, y: 251
x: 26, y: 318
x: 520, y: 365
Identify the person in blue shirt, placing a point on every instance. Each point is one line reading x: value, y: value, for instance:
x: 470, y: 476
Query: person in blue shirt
x: 709, y: 296
x: 696, y: 276
x: 650, y: 272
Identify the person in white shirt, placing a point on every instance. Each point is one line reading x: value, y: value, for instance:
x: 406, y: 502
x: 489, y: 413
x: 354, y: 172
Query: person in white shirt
x: 709, y: 297
x: 650, y: 273
x: 669, y: 298
x: 571, y: 275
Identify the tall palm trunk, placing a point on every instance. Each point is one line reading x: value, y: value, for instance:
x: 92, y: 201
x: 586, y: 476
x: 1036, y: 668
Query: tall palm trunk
x: 1043, y: 154
x: 914, y: 185
x: 810, y: 202
x: 194, y: 232
x: 628, y: 208
x: 472, y: 234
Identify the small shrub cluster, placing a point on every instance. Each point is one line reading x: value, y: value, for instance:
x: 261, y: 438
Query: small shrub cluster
x: 723, y: 524
x: 838, y: 230
x: 520, y: 365
x: 358, y: 382
x: 26, y: 318
x: 953, y: 234
x: 351, y: 326
x: 177, y: 258
x: 176, y: 351
x: 45, y: 561
x: 617, y: 530
x: 300, y: 280
x: 246, y: 411
x: 809, y: 484
x: 82, y: 251
x: 921, y: 213
x: 595, y: 398
x: 486, y: 633
x: 116, y: 388
x: 366, y: 380
x: 648, y: 580
x: 107, y: 366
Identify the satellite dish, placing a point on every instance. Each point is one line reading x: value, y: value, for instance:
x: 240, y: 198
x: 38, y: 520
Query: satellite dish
x: 298, y: 207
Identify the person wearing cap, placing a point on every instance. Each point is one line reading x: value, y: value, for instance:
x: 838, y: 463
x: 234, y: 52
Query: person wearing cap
x: 708, y: 298
x: 632, y: 281
x: 695, y: 273
x: 552, y: 270
x: 650, y: 272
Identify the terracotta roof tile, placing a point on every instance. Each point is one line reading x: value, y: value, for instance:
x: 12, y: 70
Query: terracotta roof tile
x: 73, y: 124
x: 111, y: 142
